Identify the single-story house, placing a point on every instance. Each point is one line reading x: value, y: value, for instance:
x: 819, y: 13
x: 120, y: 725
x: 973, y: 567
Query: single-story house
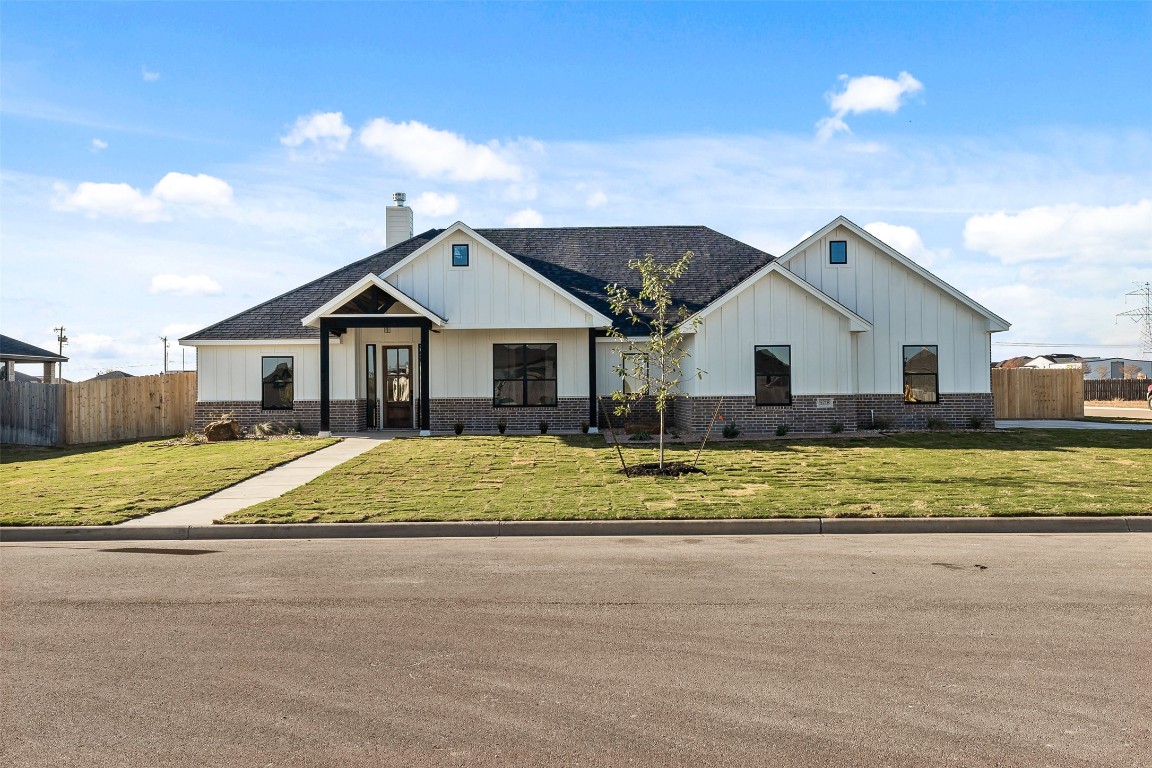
x: 14, y: 352
x: 1117, y: 368
x: 491, y: 325
x: 1057, y: 360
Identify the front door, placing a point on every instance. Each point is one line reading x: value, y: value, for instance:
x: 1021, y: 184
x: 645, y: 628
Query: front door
x: 397, y: 387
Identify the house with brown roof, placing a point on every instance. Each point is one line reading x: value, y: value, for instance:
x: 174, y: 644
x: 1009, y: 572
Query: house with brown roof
x: 491, y: 325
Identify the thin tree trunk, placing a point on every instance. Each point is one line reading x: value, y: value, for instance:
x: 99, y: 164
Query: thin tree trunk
x: 615, y: 441
x: 661, y: 439
x: 707, y: 434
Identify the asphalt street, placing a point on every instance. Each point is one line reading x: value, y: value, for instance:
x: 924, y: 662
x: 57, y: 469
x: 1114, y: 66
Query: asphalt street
x: 933, y: 650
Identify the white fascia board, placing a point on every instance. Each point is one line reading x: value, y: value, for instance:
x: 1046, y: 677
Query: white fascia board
x: 856, y: 323
x: 255, y: 342
x: 625, y: 340
x: 349, y: 293
x: 995, y: 322
x: 598, y: 320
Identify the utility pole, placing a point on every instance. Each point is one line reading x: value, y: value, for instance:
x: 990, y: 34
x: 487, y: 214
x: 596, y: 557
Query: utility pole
x: 1142, y: 315
x: 61, y: 340
x: 165, y: 340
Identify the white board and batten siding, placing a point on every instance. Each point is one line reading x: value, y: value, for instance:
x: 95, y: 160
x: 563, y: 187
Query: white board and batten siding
x: 771, y: 311
x: 904, y: 309
x: 233, y: 372
x: 490, y: 292
x: 460, y: 362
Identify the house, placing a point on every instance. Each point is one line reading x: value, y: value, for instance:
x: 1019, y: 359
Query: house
x: 14, y: 352
x: 1117, y: 368
x: 1055, y: 361
x: 490, y: 325
x: 107, y: 375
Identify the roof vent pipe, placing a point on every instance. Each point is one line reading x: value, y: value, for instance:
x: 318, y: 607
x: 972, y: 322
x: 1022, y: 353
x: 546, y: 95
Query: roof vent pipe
x: 398, y: 222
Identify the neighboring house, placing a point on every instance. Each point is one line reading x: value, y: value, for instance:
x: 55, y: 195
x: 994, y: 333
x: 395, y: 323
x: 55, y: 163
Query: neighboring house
x: 110, y: 375
x: 1013, y: 362
x: 508, y: 325
x: 1116, y: 368
x: 14, y: 352
x: 1055, y: 361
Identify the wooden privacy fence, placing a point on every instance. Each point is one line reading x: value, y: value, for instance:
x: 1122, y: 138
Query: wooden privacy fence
x: 97, y: 411
x: 1116, y: 389
x: 1038, y: 393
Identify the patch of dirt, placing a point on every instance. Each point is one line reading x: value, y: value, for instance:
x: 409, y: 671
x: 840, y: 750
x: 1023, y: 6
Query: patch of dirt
x: 671, y: 469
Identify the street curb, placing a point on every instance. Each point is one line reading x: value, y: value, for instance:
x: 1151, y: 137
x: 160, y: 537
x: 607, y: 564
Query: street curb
x: 494, y: 529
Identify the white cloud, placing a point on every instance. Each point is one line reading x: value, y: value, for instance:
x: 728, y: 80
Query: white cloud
x: 867, y: 93
x: 97, y: 145
x: 433, y: 153
x: 326, y: 130
x: 116, y: 200
x: 907, y: 241
x: 200, y: 189
x: 185, y: 285
x: 125, y: 201
x: 1104, y: 235
x: 596, y: 199
x: 525, y: 218
x: 433, y: 204
x: 149, y: 76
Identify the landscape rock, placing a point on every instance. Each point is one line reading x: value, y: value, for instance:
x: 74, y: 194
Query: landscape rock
x: 223, y: 429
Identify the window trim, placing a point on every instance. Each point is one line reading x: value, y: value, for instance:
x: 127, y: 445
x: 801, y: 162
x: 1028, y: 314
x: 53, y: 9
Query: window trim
x: 755, y: 397
x: 831, y: 261
x: 905, y: 387
x: 467, y: 256
x: 292, y: 369
x: 525, y: 380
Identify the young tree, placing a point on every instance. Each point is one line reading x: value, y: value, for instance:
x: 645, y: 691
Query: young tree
x: 651, y: 367
x: 1102, y: 371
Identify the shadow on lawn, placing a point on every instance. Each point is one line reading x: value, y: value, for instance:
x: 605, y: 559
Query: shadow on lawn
x: 12, y: 454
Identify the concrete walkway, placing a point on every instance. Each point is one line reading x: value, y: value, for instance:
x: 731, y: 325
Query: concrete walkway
x: 262, y: 487
x: 1060, y: 424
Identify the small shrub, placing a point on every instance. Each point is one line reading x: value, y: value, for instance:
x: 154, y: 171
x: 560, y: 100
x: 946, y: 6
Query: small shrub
x: 458, y: 427
x: 836, y: 427
x: 543, y: 427
x: 937, y: 424
x: 976, y: 422
x: 782, y: 430
x: 584, y: 427
x: 881, y: 423
x: 502, y: 426
x: 640, y: 436
x: 731, y: 431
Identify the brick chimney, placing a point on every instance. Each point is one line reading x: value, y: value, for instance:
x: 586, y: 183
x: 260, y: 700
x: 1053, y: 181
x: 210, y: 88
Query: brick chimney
x: 398, y: 224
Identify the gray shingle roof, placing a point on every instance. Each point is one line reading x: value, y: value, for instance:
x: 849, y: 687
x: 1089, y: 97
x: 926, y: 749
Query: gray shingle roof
x: 11, y: 349
x: 581, y: 260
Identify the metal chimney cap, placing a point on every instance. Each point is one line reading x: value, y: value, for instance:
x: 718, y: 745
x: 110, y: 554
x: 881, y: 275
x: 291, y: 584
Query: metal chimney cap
x: 399, y: 198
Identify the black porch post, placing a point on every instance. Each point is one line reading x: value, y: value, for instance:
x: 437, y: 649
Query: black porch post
x: 425, y: 410
x: 593, y: 410
x: 324, y: 378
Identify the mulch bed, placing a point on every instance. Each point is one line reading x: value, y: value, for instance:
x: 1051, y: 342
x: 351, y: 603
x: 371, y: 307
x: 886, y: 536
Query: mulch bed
x: 671, y: 469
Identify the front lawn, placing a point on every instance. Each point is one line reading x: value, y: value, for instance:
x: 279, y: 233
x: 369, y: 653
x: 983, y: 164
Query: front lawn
x: 113, y: 482
x: 1021, y: 472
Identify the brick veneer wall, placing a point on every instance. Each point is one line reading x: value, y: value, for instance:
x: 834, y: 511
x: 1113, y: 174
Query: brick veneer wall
x: 344, y: 415
x: 695, y: 413
x: 478, y: 414
x: 954, y: 409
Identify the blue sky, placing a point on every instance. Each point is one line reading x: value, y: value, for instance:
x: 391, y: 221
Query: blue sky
x: 167, y: 165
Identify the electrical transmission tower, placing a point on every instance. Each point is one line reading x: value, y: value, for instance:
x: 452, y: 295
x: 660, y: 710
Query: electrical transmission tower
x: 1142, y: 315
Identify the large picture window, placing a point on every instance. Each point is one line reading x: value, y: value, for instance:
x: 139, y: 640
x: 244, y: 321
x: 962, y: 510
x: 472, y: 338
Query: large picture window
x: 276, y: 383
x: 774, y: 375
x: 921, y: 374
x: 523, y: 375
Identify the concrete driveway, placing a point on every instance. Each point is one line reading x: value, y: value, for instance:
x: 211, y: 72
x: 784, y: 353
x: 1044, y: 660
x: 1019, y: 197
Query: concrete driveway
x: 1062, y: 424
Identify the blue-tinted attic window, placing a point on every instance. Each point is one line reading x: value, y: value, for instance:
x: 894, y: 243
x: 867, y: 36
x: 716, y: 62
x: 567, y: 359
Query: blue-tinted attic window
x: 460, y: 255
x: 838, y: 252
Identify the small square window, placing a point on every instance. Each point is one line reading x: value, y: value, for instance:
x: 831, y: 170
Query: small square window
x: 460, y: 255
x: 838, y: 252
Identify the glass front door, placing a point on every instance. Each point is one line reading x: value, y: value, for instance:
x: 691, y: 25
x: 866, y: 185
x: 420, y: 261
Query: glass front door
x: 397, y: 387
x: 371, y: 398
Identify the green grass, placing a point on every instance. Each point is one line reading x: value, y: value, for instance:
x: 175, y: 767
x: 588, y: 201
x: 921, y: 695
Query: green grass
x: 113, y: 482
x: 1019, y: 472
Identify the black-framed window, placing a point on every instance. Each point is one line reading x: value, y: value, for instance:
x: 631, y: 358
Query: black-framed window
x: 460, y: 255
x: 636, y: 371
x: 921, y: 373
x: 837, y: 251
x: 523, y: 375
x: 276, y: 383
x: 774, y: 375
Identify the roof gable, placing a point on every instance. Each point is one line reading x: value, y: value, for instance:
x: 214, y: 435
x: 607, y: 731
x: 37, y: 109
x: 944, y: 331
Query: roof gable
x: 14, y: 349
x: 995, y: 322
x: 348, y: 302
